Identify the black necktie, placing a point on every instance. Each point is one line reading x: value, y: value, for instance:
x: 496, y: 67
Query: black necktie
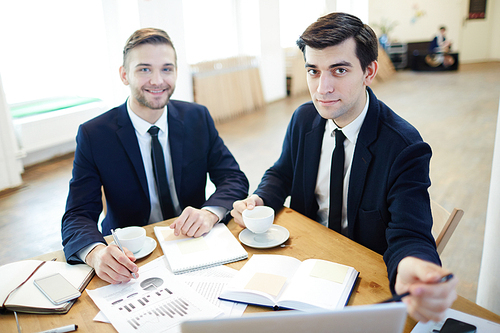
x: 160, y: 173
x: 337, y: 183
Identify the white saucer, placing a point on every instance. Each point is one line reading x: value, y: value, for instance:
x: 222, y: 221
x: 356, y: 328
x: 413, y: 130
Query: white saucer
x: 147, y: 248
x: 276, y: 235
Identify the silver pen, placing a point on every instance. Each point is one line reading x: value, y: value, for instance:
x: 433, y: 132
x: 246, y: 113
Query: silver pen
x: 117, y: 242
x: 17, y: 322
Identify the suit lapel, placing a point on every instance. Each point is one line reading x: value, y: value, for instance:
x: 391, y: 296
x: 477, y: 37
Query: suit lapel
x: 313, y: 140
x: 176, y: 143
x: 361, y: 161
x: 128, y: 139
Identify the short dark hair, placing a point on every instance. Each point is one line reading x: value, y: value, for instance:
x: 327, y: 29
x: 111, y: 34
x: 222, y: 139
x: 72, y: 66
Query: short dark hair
x: 146, y: 36
x: 334, y: 28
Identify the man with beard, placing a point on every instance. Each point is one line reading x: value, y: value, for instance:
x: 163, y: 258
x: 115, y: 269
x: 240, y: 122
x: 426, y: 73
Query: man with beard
x: 150, y: 156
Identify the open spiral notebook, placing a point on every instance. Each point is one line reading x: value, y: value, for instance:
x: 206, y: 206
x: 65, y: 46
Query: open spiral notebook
x: 185, y: 254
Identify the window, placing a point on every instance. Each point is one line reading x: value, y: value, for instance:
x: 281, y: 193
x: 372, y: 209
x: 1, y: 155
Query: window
x: 53, y: 48
x: 210, y: 30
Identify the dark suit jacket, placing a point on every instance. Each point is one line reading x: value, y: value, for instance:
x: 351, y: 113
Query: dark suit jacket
x: 388, y: 208
x: 108, y: 155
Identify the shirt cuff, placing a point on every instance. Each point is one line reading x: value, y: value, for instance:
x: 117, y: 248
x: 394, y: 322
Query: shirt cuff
x: 82, y: 254
x: 221, y: 212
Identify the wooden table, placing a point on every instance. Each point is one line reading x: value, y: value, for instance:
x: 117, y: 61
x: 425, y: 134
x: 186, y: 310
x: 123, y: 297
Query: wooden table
x: 308, y: 239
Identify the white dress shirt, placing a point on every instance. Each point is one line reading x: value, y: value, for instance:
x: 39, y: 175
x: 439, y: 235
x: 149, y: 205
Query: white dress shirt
x: 322, y: 190
x: 141, y: 127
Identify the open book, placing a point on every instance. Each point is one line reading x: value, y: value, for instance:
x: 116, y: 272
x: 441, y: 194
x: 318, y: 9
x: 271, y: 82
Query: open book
x: 28, y: 298
x: 185, y: 254
x: 285, y: 282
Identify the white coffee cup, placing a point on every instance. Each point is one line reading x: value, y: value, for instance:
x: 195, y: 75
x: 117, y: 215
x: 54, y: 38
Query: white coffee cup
x: 259, y: 219
x: 131, y: 237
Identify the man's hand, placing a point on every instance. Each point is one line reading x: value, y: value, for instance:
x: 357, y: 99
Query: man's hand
x: 428, y: 300
x: 240, y: 205
x: 194, y: 222
x: 111, y: 265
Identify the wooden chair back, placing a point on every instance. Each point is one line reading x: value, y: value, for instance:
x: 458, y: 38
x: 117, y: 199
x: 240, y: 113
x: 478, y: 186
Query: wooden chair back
x: 444, y: 224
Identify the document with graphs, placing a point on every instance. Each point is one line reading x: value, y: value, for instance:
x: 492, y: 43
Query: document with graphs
x: 156, y: 302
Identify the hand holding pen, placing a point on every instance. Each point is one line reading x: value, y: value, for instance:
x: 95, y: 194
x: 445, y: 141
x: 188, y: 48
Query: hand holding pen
x: 397, y: 298
x: 117, y: 242
x: 110, y: 264
x: 429, y: 288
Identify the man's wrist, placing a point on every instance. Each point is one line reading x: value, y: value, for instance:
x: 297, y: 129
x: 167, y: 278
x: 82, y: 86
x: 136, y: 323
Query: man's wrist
x: 219, y: 212
x: 90, y: 256
x: 216, y: 218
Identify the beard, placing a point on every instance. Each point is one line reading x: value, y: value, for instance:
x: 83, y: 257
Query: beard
x: 153, y: 103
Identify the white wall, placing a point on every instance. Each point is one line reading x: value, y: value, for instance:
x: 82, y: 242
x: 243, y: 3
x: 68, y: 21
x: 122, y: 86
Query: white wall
x: 52, y: 48
x: 478, y: 35
x: 295, y: 17
x: 475, y: 43
x: 272, y: 56
x: 475, y: 40
x: 488, y: 289
x: 495, y: 36
x: 10, y: 168
x: 169, y: 16
x: 248, y: 36
x: 358, y: 8
x: 417, y: 20
x: 211, y: 31
x: 122, y: 18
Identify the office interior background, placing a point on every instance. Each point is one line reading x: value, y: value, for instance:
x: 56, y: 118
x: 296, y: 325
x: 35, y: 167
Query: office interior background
x: 54, y: 48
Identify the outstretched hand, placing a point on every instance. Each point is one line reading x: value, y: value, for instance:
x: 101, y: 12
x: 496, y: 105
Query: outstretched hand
x: 428, y: 300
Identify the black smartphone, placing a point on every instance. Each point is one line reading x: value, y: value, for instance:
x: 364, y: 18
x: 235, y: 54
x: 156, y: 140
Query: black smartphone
x: 456, y: 326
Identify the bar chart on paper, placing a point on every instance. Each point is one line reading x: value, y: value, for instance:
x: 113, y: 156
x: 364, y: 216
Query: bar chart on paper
x: 151, y: 304
x: 159, y: 305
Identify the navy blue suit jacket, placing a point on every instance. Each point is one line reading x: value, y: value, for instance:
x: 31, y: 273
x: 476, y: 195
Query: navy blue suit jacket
x: 388, y: 208
x: 108, y: 155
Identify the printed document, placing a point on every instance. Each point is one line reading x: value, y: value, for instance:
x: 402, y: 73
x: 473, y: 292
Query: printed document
x: 156, y: 302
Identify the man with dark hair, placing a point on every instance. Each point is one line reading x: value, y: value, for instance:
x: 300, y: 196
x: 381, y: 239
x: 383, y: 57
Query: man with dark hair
x: 151, y: 157
x: 439, y: 43
x: 349, y: 162
x: 438, y: 51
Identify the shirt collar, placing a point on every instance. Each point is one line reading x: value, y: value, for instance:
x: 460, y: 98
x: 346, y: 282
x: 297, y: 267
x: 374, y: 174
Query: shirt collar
x: 351, y: 130
x: 142, y: 126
